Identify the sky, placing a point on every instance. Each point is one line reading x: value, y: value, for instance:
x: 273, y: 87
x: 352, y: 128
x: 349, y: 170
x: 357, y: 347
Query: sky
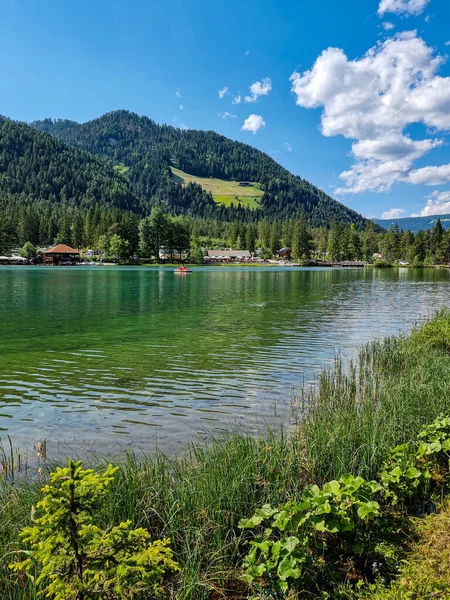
x: 352, y: 95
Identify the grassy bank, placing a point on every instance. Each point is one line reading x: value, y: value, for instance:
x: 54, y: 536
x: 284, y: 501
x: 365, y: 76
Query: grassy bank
x: 346, y: 424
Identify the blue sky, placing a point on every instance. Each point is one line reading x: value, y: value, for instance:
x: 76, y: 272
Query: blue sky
x: 352, y: 95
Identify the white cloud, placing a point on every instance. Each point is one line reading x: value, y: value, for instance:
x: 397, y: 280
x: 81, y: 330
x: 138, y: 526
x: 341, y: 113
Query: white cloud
x: 184, y: 127
x: 181, y: 107
x: 237, y: 99
x: 447, y: 43
x: 288, y: 146
x: 226, y: 115
x: 259, y: 88
x: 247, y: 53
x: 372, y: 100
x: 392, y: 213
x: 438, y: 203
x: 388, y: 26
x: 393, y: 147
x: 431, y: 175
x: 178, y: 94
x: 223, y: 92
x: 253, y: 123
x: 402, y: 7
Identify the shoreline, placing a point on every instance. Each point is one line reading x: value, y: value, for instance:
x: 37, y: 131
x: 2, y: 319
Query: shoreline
x: 167, y: 266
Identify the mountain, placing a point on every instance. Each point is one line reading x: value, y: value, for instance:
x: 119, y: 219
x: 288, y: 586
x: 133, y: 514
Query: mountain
x: 37, y: 166
x: 145, y: 152
x: 415, y: 224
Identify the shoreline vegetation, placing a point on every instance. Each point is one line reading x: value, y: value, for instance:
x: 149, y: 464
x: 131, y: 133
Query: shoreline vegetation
x: 379, y: 264
x: 347, y: 423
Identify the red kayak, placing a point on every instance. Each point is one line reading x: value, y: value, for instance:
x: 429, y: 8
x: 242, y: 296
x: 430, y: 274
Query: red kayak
x: 183, y: 270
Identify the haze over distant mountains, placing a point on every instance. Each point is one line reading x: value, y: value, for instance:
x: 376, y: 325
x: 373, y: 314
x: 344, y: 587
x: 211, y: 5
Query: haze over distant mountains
x: 415, y: 224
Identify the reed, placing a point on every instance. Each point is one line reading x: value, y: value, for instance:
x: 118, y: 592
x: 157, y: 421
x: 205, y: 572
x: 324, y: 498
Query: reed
x: 382, y: 399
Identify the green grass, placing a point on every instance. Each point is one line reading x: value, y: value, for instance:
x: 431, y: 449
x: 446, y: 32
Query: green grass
x: 425, y: 574
x: 245, y: 201
x: 223, y: 192
x: 347, y: 423
x: 121, y: 168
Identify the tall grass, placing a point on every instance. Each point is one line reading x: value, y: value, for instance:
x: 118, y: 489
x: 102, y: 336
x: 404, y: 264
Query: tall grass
x: 382, y: 399
x: 346, y: 423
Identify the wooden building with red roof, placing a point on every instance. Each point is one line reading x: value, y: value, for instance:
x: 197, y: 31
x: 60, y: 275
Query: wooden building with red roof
x: 61, y: 253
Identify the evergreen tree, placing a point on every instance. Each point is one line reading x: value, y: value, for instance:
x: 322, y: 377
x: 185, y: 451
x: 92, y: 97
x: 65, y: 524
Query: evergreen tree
x: 301, y: 239
x: 334, y: 242
x: 370, y: 242
x: 354, y: 248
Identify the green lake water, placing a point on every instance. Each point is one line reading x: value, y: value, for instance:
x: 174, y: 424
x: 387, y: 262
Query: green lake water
x: 104, y: 358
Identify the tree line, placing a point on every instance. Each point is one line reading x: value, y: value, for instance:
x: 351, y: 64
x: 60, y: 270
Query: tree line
x: 114, y: 232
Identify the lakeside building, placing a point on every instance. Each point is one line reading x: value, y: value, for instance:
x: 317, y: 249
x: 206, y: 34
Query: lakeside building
x: 13, y: 260
x: 168, y: 254
x: 61, y: 254
x: 228, y: 256
x: 285, y: 253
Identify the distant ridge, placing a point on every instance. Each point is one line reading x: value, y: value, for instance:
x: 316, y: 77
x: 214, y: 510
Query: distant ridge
x: 415, y: 224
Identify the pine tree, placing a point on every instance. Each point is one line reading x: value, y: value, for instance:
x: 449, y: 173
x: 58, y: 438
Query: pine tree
x: 301, y: 239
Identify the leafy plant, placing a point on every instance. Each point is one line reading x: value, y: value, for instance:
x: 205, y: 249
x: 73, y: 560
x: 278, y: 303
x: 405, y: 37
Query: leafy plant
x: 77, y: 560
x: 298, y: 539
x: 419, y: 472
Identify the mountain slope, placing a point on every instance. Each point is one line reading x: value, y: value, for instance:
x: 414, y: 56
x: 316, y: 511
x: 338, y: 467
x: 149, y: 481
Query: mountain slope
x: 415, y: 224
x: 35, y: 166
x: 146, y: 151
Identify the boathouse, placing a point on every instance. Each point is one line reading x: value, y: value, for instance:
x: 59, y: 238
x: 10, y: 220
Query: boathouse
x: 61, y: 254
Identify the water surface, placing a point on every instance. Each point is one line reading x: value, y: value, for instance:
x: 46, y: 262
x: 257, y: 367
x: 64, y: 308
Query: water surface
x: 109, y: 357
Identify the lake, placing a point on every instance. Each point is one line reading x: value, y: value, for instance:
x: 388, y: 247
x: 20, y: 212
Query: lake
x: 101, y: 358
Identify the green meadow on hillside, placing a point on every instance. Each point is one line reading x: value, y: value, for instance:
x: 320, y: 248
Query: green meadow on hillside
x: 223, y: 192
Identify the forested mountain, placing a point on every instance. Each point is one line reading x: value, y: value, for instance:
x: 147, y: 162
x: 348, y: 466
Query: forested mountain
x: 50, y: 190
x: 415, y: 224
x: 38, y: 167
x: 145, y: 151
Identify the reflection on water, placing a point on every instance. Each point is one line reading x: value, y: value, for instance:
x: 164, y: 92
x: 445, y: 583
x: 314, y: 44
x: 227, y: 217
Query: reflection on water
x: 119, y: 356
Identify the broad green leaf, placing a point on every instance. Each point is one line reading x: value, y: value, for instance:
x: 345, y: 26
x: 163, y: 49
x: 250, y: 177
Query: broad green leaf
x: 413, y: 473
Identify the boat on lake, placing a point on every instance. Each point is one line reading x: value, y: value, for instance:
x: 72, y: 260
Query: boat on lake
x: 183, y: 270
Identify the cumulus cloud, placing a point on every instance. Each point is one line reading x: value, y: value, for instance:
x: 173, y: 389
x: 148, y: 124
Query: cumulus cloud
x: 388, y: 26
x: 402, y: 7
x: 447, y: 43
x: 253, y: 123
x: 288, y: 146
x: 259, y: 88
x: 438, y: 203
x: 392, y: 213
x: 431, y: 175
x: 372, y: 100
x: 178, y: 94
x: 226, y: 115
x: 181, y: 107
x: 237, y: 99
x: 223, y: 92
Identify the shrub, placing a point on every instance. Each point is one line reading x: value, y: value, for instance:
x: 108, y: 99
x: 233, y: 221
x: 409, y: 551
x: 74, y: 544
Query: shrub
x: 75, y: 559
x: 417, y: 475
x: 434, y: 335
x: 335, y: 528
x: 382, y: 264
